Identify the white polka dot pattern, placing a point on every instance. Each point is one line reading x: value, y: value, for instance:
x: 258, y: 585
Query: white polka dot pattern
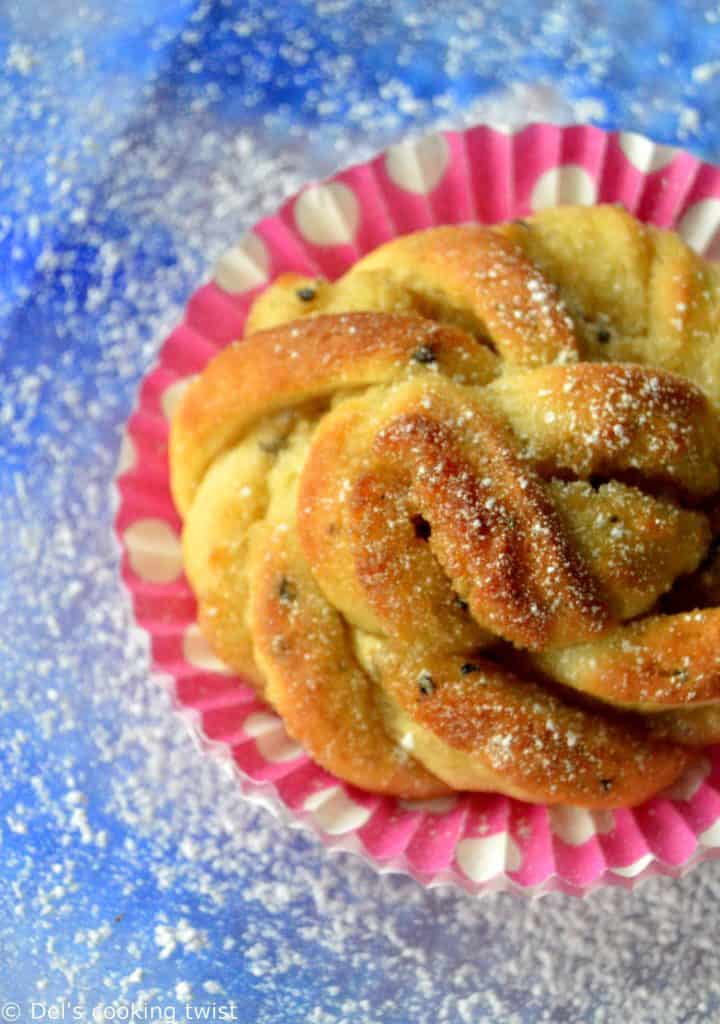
x: 172, y: 394
x: 330, y: 214
x: 197, y: 652
x: 644, y: 154
x: 487, y: 856
x: 418, y: 165
x: 334, y: 811
x: 245, y: 266
x: 631, y: 870
x: 700, y: 227
x: 327, y: 214
x: 575, y: 826
x: 711, y: 836
x: 127, y: 456
x: 690, y: 781
x: 154, y: 550
x: 270, y: 737
x: 567, y: 184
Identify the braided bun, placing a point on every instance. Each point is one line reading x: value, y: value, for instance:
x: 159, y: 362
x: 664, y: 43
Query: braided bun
x: 454, y: 514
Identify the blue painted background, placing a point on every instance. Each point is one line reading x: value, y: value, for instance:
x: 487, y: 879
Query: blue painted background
x: 137, y: 141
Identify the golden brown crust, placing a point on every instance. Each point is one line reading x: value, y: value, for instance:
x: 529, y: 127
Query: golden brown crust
x: 599, y: 259
x: 487, y: 729
x: 291, y: 297
x: 694, y: 727
x: 635, y: 293
x: 483, y: 275
x: 285, y: 368
x: 356, y: 525
x: 232, y: 497
x: 494, y: 530
x: 417, y: 466
x: 636, y: 545
x: 600, y: 420
x: 314, y: 679
x: 493, y: 533
x: 654, y: 664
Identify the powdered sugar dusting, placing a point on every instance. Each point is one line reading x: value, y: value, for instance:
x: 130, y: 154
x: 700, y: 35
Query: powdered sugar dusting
x: 115, y: 832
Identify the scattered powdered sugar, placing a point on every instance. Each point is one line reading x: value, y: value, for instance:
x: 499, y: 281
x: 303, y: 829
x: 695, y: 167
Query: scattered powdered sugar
x: 133, y: 872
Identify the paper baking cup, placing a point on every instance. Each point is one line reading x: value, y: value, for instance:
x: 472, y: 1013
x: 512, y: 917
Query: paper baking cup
x: 479, y: 841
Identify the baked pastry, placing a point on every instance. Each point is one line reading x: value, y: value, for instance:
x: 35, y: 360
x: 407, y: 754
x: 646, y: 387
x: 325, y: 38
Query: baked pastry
x: 454, y: 515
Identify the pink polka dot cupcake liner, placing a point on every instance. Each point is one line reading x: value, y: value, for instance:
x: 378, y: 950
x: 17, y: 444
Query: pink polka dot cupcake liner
x: 481, y: 842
